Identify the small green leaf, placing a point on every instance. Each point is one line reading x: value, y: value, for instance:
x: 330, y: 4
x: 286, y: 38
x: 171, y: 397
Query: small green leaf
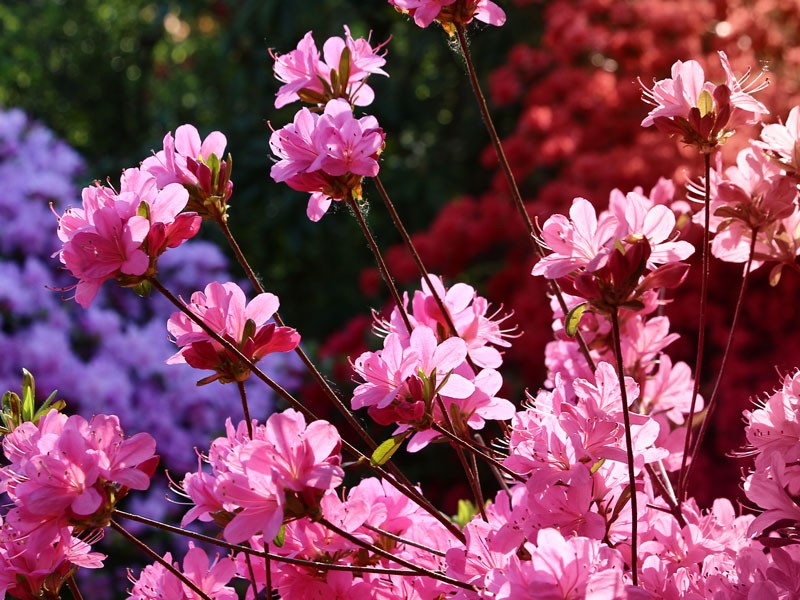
x: 574, y: 319
x: 466, y: 511
x: 28, y: 395
x: 596, y: 466
x: 386, y: 450
x: 280, y: 539
x: 143, y: 210
x: 705, y: 103
x: 344, y: 68
x: 249, y: 330
x: 143, y: 289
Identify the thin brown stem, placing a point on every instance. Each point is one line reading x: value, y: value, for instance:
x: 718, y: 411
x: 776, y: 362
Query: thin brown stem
x: 534, y: 232
x: 402, y: 540
x: 471, y: 471
x: 398, y: 223
x: 701, y: 328
x: 73, y: 588
x: 159, y: 559
x: 667, y: 493
x: 394, y: 558
x: 245, y: 408
x: 479, y: 453
x: 382, y: 268
x: 713, y: 401
x: 251, y: 575
x: 628, y: 445
x: 300, y: 562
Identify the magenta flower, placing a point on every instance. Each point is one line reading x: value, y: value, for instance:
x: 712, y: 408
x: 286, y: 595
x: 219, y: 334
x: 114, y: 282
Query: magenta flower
x: 451, y: 12
x: 342, y: 73
x: 69, y: 469
x: 198, y: 166
x: 156, y: 582
x: 223, y: 307
x: 702, y: 113
x: 327, y: 155
x: 120, y: 235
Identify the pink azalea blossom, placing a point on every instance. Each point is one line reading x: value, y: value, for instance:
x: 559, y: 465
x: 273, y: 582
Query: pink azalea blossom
x: 782, y: 141
x: 702, y: 113
x: 120, y: 235
x: 326, y: 155
x: 224, y: 309
x: 447, y: 12
x: 155, y: 582
x: 307, y: 76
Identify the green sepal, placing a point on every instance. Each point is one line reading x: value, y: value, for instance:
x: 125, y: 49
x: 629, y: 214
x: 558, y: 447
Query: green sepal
x: 143, y: 289
x: 574, y: 319
x: 705, y: 103
x: 383, y: 453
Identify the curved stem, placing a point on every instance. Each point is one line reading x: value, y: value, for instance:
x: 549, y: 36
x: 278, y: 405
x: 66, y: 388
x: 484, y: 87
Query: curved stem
x: 534, y: 232
x: 414, y: 254
x: 373, y: 245
x: 158, y: 558
x: 712, y: 402
x: 394, y: 558
x: 471, y: 471
x: 628, y: 445
x: 300, y: 562
x: 402, y: 540
x: 701, y: 328
x: 73, y: 588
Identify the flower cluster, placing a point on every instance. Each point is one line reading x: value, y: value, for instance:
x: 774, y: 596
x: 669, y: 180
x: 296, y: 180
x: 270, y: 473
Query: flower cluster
x: 451, y: 13
x: 341, y: 73
x: 120, y: 235
x: 259, y: 483
x: 327, y: 155
x: 429, y: 370
x: 223, y: 309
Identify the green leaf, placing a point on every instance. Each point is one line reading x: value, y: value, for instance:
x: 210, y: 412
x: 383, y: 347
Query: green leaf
x: 280, y: 539
x: 574, y: 319
x: 344, y: 69
x: 705, y: 103
x: 466, y: 511
x: 386, y: 450
x: 596, y: 466
x: 28, y: 395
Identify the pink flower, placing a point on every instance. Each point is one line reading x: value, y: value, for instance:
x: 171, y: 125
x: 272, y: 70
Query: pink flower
x: 224, y: 309
x: 782, y: 141
x: 73, y: 471
x: 198, y: 166
x: 327, y: 155
x: 343, y: 73
x: 703, y: 114
x: 120, y: 235
x: 155, y: 582
x: 449, y: 12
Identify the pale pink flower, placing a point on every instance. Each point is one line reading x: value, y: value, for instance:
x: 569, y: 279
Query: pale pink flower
x: 447, y: 12
x: 326, y: 155
x: 308, y: 77
x: 580, y: 241
x: 120, y: 235
x: 155, y: 582
x: 223, y: 308
x: 702, y: 113
x: 782, y: 141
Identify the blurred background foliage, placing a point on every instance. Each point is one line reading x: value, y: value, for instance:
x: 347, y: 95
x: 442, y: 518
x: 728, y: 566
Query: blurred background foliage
x: 111, y: 77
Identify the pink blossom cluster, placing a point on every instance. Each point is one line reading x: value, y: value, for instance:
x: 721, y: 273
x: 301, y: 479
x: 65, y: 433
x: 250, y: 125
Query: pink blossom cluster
x: 327, y: 154
x: 451, y: 12
x: 430, y: 368
x: 257, y: 484
x: 340, y: 72
x: 156, y: 581
x: 198, y: 166
x: 120, y: 234
x: 224, y: 309
x: 64, y: 478
x: 702, y: 113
